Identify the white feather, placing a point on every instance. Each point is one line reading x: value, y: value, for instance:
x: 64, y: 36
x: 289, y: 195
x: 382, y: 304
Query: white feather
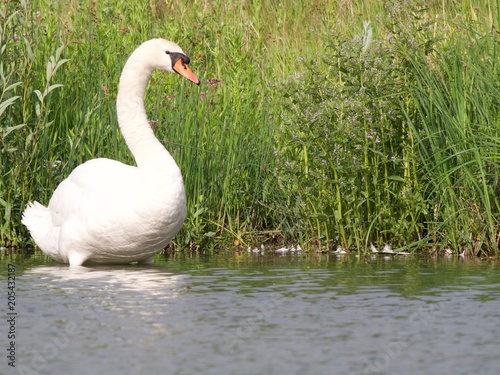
x: 109, y: 212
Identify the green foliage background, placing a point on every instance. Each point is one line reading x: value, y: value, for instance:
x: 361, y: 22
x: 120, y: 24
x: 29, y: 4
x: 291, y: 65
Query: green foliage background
x: 330, y: 123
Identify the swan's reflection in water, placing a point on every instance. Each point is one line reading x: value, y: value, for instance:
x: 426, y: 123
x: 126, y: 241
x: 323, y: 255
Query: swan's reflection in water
x: 125, y: 290
x: 132, y: 278
x: 104, y: 313
x: 359, y: 318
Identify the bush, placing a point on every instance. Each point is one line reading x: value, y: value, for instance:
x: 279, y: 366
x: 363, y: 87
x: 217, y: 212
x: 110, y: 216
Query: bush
x: 395, y: 140
x: 345, y: 150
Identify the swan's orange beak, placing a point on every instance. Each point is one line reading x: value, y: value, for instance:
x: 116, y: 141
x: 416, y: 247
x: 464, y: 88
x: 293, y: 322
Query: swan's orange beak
x: 184, y: 70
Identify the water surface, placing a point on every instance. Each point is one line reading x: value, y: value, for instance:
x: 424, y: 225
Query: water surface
x: 230, y: 314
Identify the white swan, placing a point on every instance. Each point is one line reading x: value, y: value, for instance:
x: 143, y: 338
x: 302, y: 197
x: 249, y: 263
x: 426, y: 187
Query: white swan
x: 109, y: 212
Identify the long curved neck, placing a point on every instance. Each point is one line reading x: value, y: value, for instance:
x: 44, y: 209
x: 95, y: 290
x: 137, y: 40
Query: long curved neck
x: 148, y: 152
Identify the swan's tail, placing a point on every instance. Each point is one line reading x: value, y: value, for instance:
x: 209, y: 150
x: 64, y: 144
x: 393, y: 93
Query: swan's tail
x: 38, y: 220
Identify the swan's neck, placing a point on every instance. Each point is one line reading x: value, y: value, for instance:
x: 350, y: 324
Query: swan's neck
x: 148, y: 152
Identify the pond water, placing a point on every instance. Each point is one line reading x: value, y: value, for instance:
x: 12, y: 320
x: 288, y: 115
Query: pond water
x: 241, y: 314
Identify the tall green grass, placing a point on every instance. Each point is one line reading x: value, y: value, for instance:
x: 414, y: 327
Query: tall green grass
x: 455, y: 89
x: 219, y: 133
x: 329, y: 123
x: 394, y: 140
x: 28, y: 76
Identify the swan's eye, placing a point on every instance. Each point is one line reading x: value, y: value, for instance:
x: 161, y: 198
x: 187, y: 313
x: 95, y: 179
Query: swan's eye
x: 167, y: 52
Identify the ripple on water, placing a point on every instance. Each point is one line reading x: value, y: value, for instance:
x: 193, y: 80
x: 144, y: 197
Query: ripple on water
x: 354, y: 317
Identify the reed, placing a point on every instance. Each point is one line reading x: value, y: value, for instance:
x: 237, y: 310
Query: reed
x: 377, y: 132
x: 220, y: 134
x: 455, y: 89
x: 393, y: 140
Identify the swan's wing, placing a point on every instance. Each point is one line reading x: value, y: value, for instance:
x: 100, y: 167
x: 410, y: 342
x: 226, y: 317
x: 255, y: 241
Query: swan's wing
x: 90, y: 187
x: 107, y: 205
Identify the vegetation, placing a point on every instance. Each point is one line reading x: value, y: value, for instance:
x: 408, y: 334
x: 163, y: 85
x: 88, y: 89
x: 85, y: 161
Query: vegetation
x: 333, y: 124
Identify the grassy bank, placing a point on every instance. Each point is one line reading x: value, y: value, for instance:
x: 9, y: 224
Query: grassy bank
x: 393, y: 140
x: 333, y: 124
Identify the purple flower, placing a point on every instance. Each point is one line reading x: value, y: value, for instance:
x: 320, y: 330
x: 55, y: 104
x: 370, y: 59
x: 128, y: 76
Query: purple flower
x: 214, y: 82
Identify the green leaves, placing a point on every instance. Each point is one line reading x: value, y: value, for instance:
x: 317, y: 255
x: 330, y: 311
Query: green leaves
x: 54, y: 63
x: 337, y: 149
x: 398, y: 134
x: 25, y: 113
x: 6, y: 103
x: 383, y: 132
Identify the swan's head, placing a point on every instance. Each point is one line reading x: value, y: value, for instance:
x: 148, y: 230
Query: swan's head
x: 166, y: 55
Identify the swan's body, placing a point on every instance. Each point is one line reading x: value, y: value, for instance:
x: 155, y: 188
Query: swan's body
x: 109, y: 212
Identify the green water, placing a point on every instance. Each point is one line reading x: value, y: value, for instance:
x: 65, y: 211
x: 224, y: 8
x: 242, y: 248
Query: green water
x: 230, y: 314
